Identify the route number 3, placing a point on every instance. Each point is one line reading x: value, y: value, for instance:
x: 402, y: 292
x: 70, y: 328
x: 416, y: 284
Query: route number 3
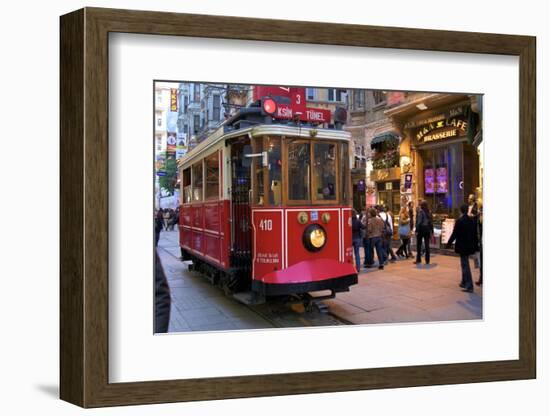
x: 266, y: 225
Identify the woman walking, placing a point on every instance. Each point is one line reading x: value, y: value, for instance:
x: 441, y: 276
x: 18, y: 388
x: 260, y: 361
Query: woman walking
x: 424, y: 231
x: 404, y: 233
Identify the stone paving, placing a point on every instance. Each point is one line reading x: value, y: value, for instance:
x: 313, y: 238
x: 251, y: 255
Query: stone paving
x: 197, y: 305
x: 402, y: 292
x: 405, y: 292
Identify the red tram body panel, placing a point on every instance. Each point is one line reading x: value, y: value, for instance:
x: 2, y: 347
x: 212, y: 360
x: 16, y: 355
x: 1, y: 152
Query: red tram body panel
x: 280, y: 258
x: 204, y: 231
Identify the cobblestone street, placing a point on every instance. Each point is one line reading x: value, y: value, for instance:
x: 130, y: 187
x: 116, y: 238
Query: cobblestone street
x: 402, y: 292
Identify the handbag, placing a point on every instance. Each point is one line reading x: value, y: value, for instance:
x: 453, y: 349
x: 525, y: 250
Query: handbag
x: 404, y: 230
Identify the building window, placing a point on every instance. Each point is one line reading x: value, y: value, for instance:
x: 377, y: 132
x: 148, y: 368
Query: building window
x: 159, y: 122
x: 310, y: 93
x: 197, y: 92
x: 185, y: 103
x: 216, y: 107
x: 359, y: 99
x: 337, y: 95
x: 196, y: 123
x: 379, y: 97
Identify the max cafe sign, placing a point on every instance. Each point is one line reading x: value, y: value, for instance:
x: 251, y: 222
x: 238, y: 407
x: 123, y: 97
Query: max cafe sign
x: 450, y: 127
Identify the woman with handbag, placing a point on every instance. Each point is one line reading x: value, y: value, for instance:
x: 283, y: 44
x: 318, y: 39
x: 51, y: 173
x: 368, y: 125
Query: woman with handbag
x: 404, y: 233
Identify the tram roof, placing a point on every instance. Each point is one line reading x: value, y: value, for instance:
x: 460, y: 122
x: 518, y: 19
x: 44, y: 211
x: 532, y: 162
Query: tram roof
x: 263, y: 130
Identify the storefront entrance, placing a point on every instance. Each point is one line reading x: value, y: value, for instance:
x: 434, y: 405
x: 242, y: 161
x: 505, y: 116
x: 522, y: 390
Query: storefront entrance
x: 389, y: 195
x: 450, y: 173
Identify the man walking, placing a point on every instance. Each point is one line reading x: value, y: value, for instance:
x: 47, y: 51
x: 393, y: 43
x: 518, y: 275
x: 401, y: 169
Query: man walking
x: 465, y: 234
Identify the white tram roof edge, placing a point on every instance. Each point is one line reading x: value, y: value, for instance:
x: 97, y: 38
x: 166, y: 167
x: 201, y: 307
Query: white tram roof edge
x: 263, y: 130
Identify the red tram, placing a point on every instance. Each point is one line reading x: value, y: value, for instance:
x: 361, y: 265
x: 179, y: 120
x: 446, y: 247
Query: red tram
x: 266, y: 203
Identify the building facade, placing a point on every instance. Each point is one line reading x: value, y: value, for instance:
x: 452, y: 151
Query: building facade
x: 416, y: 146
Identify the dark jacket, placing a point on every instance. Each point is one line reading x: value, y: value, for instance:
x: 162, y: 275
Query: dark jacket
x: 356, y: 228
x: 465, y: 234
x: 162, y: 298
x: 424, y: 222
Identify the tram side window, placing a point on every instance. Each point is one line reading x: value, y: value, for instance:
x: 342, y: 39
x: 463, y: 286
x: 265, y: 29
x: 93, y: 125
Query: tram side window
x: 197, y: 181
x: 298, y: 171
x: 258, y: 170
x: 324, y: 171
x: 275, y: 175
x: 186, y: 185
x: 344, y: 175
x: 212, y: 188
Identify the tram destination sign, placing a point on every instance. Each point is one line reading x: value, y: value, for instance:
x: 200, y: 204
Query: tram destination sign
x: 296, y: 104
x: 312, y: 115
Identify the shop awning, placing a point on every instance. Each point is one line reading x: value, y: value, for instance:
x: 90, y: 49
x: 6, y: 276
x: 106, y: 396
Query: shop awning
x: 383, y: 138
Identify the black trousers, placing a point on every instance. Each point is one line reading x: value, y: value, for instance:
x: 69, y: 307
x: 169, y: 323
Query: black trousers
x: 404, y: 248
x: 466, y: 281
x: 419, y: 238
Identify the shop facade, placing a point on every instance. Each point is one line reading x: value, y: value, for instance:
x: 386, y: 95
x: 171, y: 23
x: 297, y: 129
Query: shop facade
x: 432, y: 152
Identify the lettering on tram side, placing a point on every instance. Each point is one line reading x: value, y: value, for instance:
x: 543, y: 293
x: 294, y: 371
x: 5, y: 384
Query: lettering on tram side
x: 267, y: 258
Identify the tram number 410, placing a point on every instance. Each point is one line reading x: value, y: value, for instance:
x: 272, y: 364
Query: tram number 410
x: 266, y: 225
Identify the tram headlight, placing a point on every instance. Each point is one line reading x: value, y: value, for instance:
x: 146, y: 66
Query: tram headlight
x: 314, y: 237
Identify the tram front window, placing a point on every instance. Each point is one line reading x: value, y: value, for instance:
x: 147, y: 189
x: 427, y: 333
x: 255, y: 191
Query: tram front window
x: 324, y: 171
x: 298, y: 171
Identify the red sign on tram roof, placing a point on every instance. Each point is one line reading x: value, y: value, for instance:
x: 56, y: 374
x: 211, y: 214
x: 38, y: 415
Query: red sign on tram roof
x: 297, y: 98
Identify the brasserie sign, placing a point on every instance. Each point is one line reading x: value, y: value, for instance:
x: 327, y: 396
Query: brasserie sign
x: 442, y: 129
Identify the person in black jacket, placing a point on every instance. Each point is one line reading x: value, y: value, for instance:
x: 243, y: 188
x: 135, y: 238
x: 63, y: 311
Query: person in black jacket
x: 465, y: 235
x: 357, y: 238
x: 424, y: 231
x: 159, y: 223
x: 162, y: 298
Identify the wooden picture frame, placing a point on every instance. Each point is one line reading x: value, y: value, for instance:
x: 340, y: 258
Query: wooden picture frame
x: 84, y: 207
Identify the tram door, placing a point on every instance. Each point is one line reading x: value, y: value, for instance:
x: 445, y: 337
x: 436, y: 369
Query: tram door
x: 241, y: 253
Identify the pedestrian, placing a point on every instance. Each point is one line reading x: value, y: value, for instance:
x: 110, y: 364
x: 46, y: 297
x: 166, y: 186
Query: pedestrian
x: 159, y: 222
x: 162, y: 298
x: 424, y: 231
x: 480, y: 244
x: 368, y: 260
x: 387, y: 236
x: 411, y: 226
x: 357, y: 238
x: 472, y: 206
x: 375, y: 229
x: 404, y: 232
x: 166, y: 216
x: 172, y: 219
x: 465, y: 235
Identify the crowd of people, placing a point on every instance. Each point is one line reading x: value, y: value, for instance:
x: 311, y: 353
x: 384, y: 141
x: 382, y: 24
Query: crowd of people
x: 373, y: 231
x: 166, y: 219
